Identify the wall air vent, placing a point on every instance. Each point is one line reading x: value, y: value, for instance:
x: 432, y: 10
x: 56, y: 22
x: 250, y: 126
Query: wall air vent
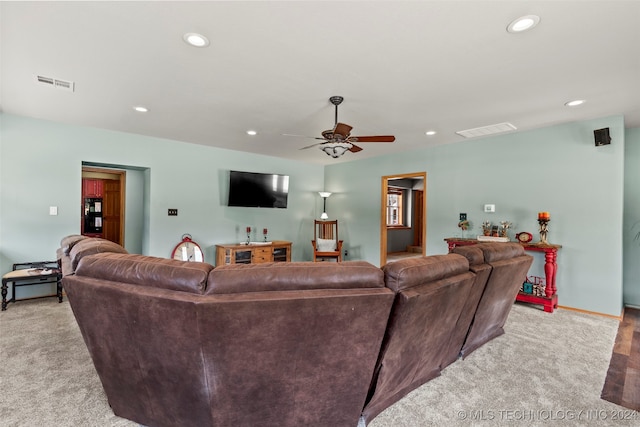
x: 57, y: 83
x: 487, y: 130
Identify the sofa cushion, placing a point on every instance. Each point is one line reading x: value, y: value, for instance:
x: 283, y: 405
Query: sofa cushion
x: 67, y: 242
x: 146, y: 271
x: 472, y: 253
x: 280, y: 276
x: 410, y: 272
x: 500, y: 251
x: 92, y: 246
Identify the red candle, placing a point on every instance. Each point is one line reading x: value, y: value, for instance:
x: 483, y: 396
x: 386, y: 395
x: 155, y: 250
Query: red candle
x: 248, y: 229
x: 544, y: 216
x: 264, y: 231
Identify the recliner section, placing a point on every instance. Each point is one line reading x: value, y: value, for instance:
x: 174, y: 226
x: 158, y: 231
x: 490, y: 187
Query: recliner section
x: 430, y: 294
x: 509, y: 265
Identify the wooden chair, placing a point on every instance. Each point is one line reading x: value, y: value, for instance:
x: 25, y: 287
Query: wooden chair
x: 325, y: 241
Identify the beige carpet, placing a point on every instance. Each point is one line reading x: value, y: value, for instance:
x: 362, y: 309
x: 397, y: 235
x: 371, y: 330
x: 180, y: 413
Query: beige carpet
x: 546, y: 368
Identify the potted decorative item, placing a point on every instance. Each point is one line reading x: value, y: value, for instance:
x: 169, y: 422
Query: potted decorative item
x: 464, y: 225
x: 486, y: 228
x: 505, y: 227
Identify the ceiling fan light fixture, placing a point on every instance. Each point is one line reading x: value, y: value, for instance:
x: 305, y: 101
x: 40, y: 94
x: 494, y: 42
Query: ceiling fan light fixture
x: 523, y: 23
x: 336, y: 149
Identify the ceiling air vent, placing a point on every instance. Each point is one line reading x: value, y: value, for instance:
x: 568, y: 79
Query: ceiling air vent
x: 57, y: 83
x: 487, y: 130
x: 45, y: 80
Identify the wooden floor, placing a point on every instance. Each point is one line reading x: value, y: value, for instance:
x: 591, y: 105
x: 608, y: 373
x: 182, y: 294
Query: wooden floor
x: 622, y: 384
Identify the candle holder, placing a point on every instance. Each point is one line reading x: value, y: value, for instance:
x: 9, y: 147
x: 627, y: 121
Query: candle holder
x: 544, y: 224
x: 264, y: 231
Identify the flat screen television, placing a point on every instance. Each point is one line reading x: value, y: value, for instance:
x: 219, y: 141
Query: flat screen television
x: 258, y: 190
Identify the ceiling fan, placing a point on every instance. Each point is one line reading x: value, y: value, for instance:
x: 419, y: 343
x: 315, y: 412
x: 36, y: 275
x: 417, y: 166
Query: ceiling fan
x: 337, y: 141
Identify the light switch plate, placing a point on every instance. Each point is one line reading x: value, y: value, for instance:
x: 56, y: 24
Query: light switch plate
x: 489, y: 208
x: 53, y: 210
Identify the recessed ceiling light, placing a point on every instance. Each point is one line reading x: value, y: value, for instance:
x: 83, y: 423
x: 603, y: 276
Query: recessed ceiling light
x: 195, y: 39
x: 140, y: 109
x: 430, y: 132
x: 523, y: 23
x: 575, y: 103
x: 252, y: 132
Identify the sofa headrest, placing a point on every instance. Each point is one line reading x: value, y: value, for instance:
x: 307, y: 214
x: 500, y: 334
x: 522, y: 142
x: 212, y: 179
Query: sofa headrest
x: 281, y: 276
x: 146, y: 271
x: 500, y: 251
x: 409, y: 272
x: 473, y: 254
x: 92, y: 246
x: 67, y: 242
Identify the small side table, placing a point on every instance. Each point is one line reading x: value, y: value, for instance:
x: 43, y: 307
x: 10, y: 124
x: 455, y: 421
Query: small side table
x: 31, y: 273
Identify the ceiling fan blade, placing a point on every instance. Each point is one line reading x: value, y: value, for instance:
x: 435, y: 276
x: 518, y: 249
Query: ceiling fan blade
x: 355, y: 148
x: 379, y: 138
x: 312, y: 145
x: 342, y: 129
x: 303, y: 136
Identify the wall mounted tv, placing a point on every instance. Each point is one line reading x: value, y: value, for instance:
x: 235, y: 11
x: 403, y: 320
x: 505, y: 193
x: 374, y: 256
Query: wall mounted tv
x: 258, y: 190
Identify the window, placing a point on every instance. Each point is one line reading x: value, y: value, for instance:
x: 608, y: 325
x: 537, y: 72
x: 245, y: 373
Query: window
x: 395, y: 207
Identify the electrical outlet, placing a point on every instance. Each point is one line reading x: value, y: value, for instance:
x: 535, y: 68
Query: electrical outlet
x: 463, y: 217
x: 172, y: 212
x: 346, y: 253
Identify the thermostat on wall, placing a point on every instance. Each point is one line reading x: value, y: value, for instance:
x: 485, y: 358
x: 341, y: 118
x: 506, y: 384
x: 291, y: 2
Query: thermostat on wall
x: 489, y: 208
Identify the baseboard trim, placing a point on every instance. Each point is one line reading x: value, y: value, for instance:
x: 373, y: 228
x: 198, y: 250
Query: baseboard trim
x: 595, y: 313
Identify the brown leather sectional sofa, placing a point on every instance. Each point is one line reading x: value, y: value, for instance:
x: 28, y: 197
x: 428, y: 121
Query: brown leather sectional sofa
x: 280, y: 344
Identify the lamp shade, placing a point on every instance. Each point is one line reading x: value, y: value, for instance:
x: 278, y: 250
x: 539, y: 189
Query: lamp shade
x: 336, y: 149
x: 324, y: 194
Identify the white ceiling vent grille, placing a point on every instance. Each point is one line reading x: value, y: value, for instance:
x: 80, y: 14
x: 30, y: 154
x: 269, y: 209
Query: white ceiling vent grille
x: 487, y: 130
x: 57, y: 83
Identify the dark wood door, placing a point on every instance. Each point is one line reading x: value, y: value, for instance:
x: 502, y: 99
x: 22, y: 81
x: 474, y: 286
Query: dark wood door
x: 112, y: 221
x: 418, y: 215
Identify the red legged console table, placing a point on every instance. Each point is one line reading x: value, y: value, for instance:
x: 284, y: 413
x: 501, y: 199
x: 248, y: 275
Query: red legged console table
x: 550, y: 300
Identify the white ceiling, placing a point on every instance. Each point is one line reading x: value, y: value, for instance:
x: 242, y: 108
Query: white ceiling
x: 402, y: 67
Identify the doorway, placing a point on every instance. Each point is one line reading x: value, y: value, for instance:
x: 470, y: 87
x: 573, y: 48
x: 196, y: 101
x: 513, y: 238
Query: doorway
x: 403, y: 212
x: 102, y: 203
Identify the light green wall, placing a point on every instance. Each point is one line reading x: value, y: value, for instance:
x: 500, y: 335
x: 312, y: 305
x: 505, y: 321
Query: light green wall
x: 40, y: 166
x: 556, y: 169
x: 632, y: 218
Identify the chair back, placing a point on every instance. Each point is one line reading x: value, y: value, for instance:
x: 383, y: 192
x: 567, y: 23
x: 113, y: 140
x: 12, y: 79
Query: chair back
x: 325, y: 230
